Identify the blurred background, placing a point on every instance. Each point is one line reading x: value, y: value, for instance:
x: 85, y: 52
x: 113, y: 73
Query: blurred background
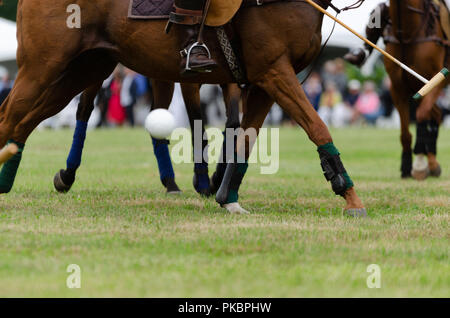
x: 342, y: 94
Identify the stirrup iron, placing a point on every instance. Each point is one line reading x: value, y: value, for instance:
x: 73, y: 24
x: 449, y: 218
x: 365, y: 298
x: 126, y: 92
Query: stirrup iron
x: 187, y: 53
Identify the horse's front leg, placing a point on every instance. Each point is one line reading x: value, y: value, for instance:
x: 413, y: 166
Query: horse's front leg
x: 257, y: 106
x: 162, y: 96
x: 232, y: 96
x: 64, y: 179
x: 281, y: 83
x: 191, y: 96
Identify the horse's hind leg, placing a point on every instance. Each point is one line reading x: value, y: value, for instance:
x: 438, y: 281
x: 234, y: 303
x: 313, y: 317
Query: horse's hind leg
x: 64, y: 179
x: 162, y: 96
x: 191, y: 96
x: 281, y: 84
x: 80, y: 73
x: 29, y: 91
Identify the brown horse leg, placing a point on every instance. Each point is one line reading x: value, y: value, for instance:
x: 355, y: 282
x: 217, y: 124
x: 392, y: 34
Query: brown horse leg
x: 162, y: 96
x: 191, y: 96
x: 282, y: 85
x: 402, y: 105
x: 64, y: 179
x: 232, y: 97
x: 49, y: 100
x: 258, y: 104
x: 25, y: 94
x: 427, y: 131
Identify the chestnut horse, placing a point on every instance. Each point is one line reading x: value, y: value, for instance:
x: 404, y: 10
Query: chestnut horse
x: 417, y: 38
x: 162, y: 97
x: 277, y: 40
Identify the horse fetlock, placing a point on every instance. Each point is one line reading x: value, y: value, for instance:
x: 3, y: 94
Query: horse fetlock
x: 354, y: 205
x: 333, y: 169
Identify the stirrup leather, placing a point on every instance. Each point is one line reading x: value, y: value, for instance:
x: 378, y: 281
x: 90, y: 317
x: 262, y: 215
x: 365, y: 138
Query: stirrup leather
x: 187, y: 53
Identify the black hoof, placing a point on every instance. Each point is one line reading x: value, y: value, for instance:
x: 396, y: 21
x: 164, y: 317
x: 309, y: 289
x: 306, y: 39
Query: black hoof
x: 171, y: 186
x: 204, y: 191
x: 406, y: 175
x: 61, y: 182
x: 436, y: 172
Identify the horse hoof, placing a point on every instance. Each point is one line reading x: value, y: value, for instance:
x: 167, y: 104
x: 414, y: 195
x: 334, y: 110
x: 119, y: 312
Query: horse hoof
x: 356, y: 213
x: 204, y: 192
x: 420, y: 169
x: 235, y: 208
x: 436, y: 172
x: 171, y: 186
x: 203, y: 188
x: 59, y: 184
x: 420, y: 175
x: 406, y: 175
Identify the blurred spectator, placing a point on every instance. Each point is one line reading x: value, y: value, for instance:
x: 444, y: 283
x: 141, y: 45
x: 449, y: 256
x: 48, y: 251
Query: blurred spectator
x: 313, y: 89
x: 368, y: 103
x: 352, y: 96
x: 128, y: 95
x: 5, y: 87
x: 340, y: 76
x: 329, y: 99
x: 116, y: 113
x: 354, y: 90
x: 386, y: 98
x: 334, y: 71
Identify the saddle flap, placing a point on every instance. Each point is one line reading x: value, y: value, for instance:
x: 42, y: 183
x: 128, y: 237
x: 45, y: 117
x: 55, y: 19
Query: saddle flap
x: 221, y: 12
x: 445, y: 20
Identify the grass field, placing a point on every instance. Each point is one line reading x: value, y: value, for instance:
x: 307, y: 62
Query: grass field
x: 131, y: 240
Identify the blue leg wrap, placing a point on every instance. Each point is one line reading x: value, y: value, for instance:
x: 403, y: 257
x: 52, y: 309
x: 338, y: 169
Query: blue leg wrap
x: 202, y: 178
x: 161, y: 150
x: 74, y: 158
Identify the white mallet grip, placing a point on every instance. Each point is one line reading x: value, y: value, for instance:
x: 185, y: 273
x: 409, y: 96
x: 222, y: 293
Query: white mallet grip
x: 433, y: 83
x: 8, y: 152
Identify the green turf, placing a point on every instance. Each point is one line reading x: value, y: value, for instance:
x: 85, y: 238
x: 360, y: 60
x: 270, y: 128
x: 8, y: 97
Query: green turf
x: 130, y: 239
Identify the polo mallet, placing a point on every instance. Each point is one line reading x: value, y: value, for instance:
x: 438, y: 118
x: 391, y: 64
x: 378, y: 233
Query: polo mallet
x: 429, y: 84
x: 8, y: 152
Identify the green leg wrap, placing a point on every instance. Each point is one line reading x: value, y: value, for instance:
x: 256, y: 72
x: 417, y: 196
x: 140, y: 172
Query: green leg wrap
x: 334, y: 169
x: 9, y: 169
x: 234, y: 173
x: 236, y: 180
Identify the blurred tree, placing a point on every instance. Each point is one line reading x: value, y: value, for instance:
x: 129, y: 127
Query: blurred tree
x: 8, y: 9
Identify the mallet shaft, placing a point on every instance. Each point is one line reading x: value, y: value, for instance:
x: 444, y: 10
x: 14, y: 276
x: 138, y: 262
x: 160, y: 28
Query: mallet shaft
x: 376, y: 47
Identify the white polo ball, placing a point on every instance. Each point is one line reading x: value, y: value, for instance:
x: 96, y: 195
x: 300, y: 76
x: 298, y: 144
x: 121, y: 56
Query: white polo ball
x: 160, y: 123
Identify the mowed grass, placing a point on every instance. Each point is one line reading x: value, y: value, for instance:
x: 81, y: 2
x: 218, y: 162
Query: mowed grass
x: 131, y: 240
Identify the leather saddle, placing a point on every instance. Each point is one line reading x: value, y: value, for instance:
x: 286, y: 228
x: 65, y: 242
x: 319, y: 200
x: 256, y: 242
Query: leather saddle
x: 220, y: 12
